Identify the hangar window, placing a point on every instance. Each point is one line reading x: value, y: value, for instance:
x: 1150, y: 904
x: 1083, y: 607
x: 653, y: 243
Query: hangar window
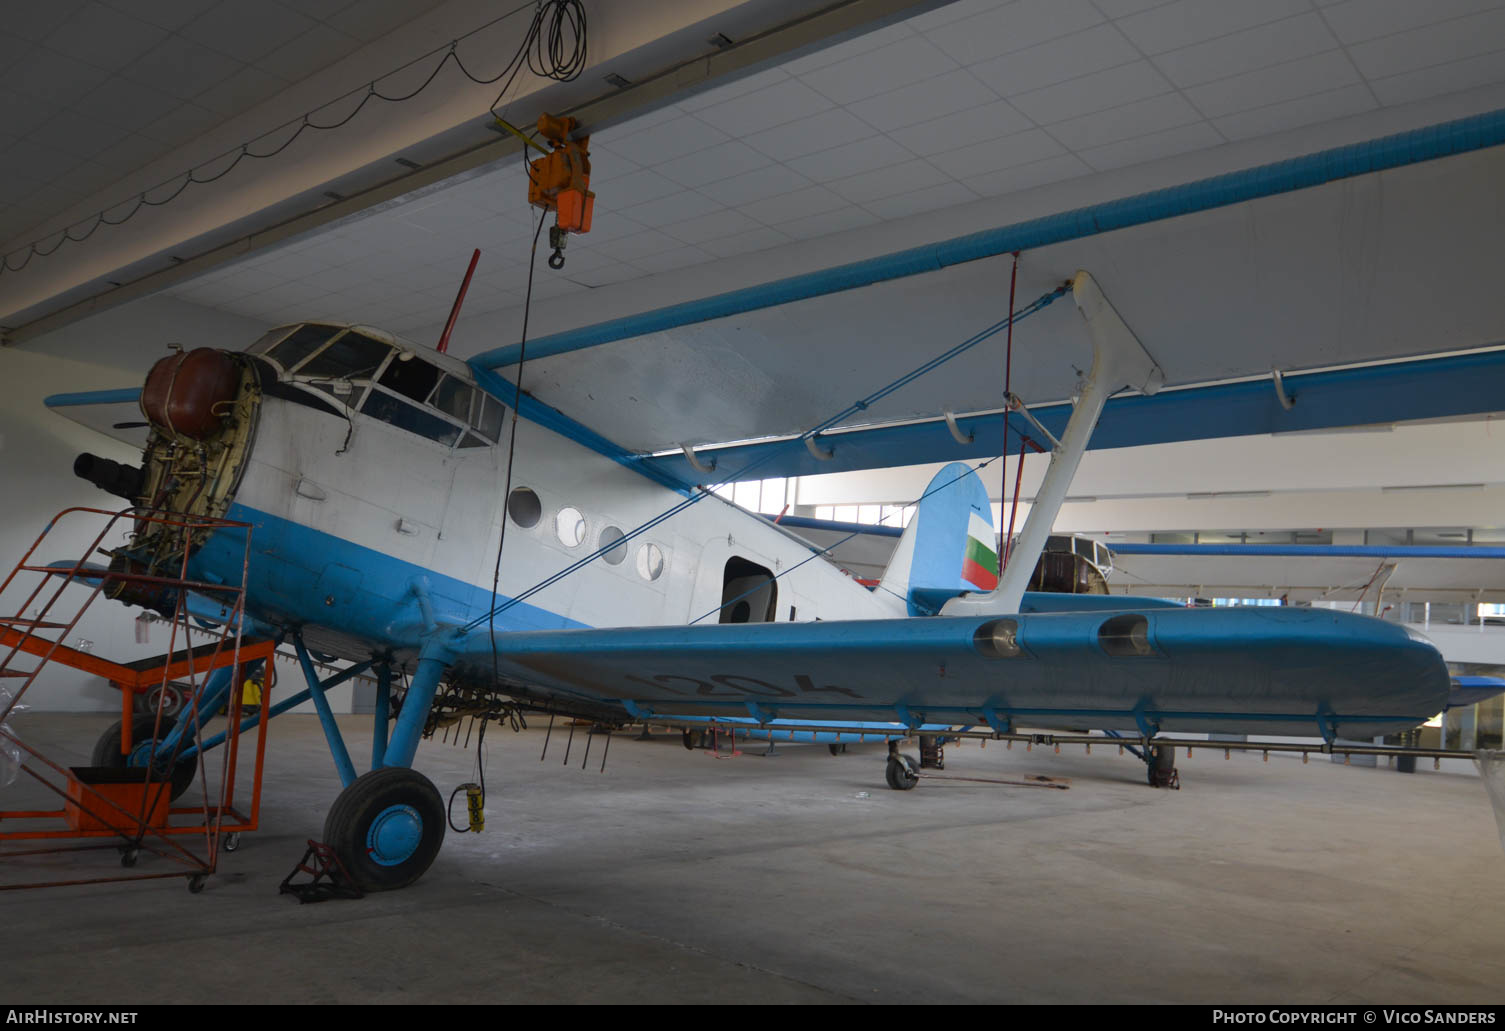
x: 524, y: 507
x: 748, y: 592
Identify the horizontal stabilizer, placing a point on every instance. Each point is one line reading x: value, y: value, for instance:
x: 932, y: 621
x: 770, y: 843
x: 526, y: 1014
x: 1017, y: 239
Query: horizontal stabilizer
x: 115, y: 413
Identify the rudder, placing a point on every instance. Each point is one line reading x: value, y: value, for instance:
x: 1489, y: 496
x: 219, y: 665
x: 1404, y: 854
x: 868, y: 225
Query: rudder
x: 949, y: 545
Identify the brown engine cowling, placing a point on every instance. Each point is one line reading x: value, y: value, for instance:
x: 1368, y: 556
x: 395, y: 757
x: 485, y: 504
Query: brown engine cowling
x: 191, y: 394
x: 203, y: 409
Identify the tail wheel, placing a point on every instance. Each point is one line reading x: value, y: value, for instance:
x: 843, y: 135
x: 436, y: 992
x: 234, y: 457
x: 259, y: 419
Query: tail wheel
x: 902, y: 772
x: 107, y: 752
x: 386, y: 827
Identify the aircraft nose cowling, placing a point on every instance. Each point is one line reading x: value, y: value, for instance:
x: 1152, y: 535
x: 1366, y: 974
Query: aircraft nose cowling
x: 191, y: 394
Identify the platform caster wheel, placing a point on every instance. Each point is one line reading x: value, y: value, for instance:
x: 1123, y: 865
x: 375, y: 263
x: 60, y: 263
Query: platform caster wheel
x: 231, y: 841
x: 687, y: 738
x: 107, y: 752
x: 128, y: 857
x: 196, y: 883
x: 386, y: 827
x: 902, y: 772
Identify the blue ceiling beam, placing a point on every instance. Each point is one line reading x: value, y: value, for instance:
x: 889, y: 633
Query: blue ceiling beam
x: 1406, y: 148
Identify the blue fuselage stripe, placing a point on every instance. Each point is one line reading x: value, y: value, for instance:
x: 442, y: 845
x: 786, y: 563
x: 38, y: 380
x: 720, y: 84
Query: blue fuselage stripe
x: 300, y: 575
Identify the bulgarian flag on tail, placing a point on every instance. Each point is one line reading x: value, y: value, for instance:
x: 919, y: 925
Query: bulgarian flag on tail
x: 980, y: 561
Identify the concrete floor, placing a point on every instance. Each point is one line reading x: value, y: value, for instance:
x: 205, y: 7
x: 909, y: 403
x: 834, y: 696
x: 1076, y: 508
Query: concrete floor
x: 675, y: 877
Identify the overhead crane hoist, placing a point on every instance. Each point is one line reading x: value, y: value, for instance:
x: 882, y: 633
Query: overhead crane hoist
x: 560, y: 180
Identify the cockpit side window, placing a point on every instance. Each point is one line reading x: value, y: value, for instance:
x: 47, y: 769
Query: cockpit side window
x: 389, y: 409
x: 304, y: 341
x: 488, y: 419
x: 413, y: 378
x: 453, y: 398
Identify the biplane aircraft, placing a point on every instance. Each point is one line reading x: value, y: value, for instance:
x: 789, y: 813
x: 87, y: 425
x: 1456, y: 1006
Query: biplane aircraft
x: 394, y: 524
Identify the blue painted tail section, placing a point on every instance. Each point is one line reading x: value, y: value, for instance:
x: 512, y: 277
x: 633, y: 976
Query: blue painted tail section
x: 949, y: 545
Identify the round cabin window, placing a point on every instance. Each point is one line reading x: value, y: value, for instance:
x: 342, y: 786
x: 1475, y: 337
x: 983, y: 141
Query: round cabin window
x: 569, y: 524
x: 650, y: 561
x: 610, y: 537
x: 524, y: 507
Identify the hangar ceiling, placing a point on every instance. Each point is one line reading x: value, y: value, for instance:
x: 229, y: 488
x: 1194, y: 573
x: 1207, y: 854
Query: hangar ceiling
x: 976, y: 99
x: 974, y: 114
x: 91, y: 89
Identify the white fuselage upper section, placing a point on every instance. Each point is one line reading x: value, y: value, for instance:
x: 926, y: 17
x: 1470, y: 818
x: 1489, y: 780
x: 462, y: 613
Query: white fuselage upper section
x: 440, y: 509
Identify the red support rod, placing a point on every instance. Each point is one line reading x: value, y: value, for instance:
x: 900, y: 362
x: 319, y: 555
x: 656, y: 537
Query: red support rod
x: 454, y: 313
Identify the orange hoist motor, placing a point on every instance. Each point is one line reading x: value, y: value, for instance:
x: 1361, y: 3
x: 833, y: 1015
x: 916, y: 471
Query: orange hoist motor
x: 560, y: 182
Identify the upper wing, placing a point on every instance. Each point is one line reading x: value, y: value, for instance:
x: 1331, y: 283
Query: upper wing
x: 1302, y: 671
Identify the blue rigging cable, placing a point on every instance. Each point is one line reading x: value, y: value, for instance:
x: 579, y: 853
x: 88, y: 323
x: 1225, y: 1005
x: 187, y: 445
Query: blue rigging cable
x: 1044, y: 300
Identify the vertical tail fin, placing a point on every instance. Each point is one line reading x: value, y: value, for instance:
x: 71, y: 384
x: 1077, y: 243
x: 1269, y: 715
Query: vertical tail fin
x: 948, y: 547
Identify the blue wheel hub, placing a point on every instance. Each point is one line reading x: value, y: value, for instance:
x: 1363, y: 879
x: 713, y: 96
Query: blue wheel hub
x: 394, y: 835
x: 141, y: 754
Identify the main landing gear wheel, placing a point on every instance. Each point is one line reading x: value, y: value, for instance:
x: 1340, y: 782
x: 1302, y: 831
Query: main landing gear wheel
x: 836, y: 749
x: 107, y: 753
x: 386, y: 827
x: 687, y: 738
x: 1162, y: 771
x: 902, y: 772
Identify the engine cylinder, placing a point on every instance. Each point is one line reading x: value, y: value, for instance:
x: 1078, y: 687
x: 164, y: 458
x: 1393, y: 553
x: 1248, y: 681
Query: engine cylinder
x: 191, y: 394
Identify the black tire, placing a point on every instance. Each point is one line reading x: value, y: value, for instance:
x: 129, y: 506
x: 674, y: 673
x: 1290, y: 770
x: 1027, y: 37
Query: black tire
x: 196, y: 883
x: 837, y: 749
x: 687, y: 738
x: 392, y: 808
x: 902, y: 773
x: 107, y: 751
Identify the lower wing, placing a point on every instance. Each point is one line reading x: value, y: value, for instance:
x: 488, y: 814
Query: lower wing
x: 1310, y: 672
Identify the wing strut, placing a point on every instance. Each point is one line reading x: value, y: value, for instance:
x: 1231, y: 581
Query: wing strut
x: 1118, y: 360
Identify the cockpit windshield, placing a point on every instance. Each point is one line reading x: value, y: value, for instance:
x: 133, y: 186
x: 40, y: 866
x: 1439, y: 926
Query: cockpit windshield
x: 348, y: 356
x: 379, y: 379
x: 303, y: 341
